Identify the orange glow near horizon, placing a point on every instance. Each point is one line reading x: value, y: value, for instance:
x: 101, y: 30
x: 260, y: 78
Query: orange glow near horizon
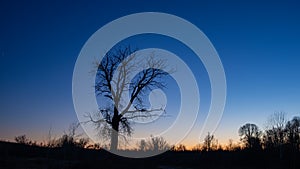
x: 189, y: 142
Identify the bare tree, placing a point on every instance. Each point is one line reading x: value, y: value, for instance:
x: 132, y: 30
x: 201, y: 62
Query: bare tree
x: 180, y: 147
x: 114, y: 117
x: 51, y: 142
x: 22, y: 139
x: 72, y: 139
x: 157, y: 144
x: 230, y: 145
x: 208, y: 142
x: 292, y: 130
x: 275, y: 128
x: 197, y: 147
x: 142, y: 145
x: 250, y: 135
x: 277, y: 120
x: 274, y: 136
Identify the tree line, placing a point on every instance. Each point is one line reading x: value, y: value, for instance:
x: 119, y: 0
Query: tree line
x: 280, y: 135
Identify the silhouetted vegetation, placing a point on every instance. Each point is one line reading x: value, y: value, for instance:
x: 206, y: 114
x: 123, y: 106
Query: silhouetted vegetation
x: 250, y: 135
x: 277, y: 147
x: 115, y: 117
x: 208, y: 142
x: 154, y: 144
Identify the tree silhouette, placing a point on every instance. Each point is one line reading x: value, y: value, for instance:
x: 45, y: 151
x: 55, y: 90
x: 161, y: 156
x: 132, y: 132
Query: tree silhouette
x: 250, y: 135
x: 142, y: 145
x: 292, y: 130
x: 275, y: 134
x: 157, y: 144
x: 72, y: 139
x: 208, y: 141
x: 230, y: 145
x: 277, y: 122
x: 180, y: 147
x: 114, y: 116
x: 22, y: 139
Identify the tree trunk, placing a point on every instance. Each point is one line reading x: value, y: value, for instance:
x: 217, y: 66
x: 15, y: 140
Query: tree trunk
x: 115, y: 131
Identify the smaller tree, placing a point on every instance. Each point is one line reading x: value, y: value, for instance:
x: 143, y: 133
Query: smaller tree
x: 71, y: 139
x: 157, y: 144
x: 208, y: 142
x: 250, y: 135
x: 275, y: 133
x: 292, y: 130
x: 197, y: 147
x: 180, y: 147
x: 142, y: 145
x: 153, y: 144
x: 22, y: 139
x: 51, y: 142
x: 230, y: 145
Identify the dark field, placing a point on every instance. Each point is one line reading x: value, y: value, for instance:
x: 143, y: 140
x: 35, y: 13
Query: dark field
x: 18, y: 156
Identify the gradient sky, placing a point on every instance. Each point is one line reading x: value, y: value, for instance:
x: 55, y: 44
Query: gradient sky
x: 258, y: 44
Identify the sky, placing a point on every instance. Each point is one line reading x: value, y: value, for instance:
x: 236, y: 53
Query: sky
x: 257, y: 42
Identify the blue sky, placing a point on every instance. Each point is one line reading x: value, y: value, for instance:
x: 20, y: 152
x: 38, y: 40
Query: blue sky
x: 258, y: 44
